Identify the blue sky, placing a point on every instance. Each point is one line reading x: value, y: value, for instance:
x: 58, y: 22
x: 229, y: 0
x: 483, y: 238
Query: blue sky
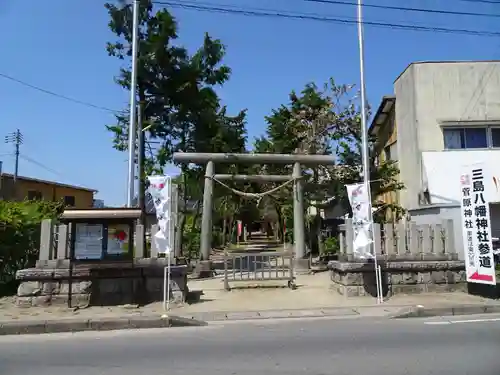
x: 60, y: 45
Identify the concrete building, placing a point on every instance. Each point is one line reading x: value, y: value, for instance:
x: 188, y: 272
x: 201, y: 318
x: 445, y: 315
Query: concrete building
x: 443, y: 115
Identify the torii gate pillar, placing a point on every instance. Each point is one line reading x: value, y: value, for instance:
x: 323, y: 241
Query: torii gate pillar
x: 206, y: 216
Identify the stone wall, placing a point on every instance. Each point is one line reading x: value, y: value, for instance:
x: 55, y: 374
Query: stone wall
x: 53, y: 282
x: 353, y: 279
x: 413, y: 259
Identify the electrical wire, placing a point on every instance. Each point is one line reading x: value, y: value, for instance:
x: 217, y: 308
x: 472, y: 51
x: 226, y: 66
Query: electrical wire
x: 256, y: 12
x: 406, y: 9
x: 60, y: 96
x: 481, y: 1
x: 38, y: 164
x: 253, y: 12
x: 272, y: 13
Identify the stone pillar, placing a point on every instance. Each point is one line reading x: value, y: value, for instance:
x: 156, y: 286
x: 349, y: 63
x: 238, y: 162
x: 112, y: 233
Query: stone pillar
x: 62, y: 242
x: 349, y: 239
x: 390, y: 248
x: 140, y: 243
x: 449, y: 240
x: 298, y: 219
x: 154, y: 250
x: 46, y: 240
x: 206, y: 218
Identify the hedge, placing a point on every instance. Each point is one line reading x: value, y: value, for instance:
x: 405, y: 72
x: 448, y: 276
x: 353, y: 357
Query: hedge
x: 20, y: 237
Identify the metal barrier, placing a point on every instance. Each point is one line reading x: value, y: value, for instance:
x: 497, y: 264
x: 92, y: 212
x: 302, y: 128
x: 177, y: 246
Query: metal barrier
x: 258, y: 266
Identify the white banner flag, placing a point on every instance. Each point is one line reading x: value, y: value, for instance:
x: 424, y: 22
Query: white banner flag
x: 360, y: 205
x: 476, y: 224
x: 160, y: 188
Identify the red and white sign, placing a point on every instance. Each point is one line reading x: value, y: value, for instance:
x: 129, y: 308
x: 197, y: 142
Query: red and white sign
x: 476, y: 224
x: 160, y: 188
x: 361, y: 206
x: 240, y: 228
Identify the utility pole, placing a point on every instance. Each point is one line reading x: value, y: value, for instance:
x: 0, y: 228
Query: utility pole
x: 17, y: 139
x: 365, y: 153
x: 133, y: 106
x: 141, y: 141
x: 1, y: 195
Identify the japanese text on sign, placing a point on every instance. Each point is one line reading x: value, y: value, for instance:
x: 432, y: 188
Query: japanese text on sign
x: 476, y: 227
x: 482, y: 219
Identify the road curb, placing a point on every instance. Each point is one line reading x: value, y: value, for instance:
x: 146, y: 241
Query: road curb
x: 234, y: 316
x: 95, y: 324
x: 427, y: 312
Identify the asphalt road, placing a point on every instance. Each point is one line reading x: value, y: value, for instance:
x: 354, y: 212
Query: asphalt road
x: 309, y: 347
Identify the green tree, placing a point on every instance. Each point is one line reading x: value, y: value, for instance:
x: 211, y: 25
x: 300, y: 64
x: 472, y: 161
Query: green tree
x: 181, y: 110
x: 324, y: 121
x: 20, y: 237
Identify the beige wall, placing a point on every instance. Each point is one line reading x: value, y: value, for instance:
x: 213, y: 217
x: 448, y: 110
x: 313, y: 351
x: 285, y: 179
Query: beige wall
x: 388, y: 135
x: 430, y: 95
x: 49, y: 192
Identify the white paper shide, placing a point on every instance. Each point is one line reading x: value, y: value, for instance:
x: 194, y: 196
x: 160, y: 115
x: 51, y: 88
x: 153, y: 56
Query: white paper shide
x: 476, y: 224
x: 361, y: 206
x: 160, y: 188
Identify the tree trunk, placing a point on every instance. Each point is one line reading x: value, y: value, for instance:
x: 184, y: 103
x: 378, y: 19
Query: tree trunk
x: 224, y: 224
x: 280, y: 222
x: 180, y: 231
x: 231, y: 223
x: 196, y: 216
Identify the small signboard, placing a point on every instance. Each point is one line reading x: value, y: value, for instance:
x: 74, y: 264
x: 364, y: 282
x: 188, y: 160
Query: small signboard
x: 88, y: 241
x: 101, y: 235
x: 476, y: 225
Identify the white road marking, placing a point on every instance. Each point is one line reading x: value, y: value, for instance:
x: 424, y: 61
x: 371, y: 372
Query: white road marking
x: 447, y: 322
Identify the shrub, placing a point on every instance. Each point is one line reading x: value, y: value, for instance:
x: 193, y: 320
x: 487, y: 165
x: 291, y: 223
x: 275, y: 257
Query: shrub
x: 20, y: 237
x: 331, y: 245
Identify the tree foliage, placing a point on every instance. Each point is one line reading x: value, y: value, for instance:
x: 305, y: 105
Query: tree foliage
x: 20, y: 237
x: 181, y: 111
x: 325, y: 121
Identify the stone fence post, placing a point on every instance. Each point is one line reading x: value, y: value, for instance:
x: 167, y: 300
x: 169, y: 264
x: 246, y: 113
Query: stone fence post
x: 46, y: 240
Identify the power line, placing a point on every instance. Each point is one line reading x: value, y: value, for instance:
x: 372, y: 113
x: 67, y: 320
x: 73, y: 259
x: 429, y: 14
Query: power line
x: 407, y: 9
x: 253, y: 12
x: 481, y: 1
x: 43, y: 166
x: 60, y: 96
x: 32, y: 161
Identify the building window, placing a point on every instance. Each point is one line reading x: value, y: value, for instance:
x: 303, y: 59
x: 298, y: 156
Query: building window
x: 495, y: 137
x: 69, y: 200
x: 34, y: 195
x: 465, y: 138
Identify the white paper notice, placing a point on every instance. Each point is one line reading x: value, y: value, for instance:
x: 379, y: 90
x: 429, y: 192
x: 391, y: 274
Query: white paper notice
x: 88, y: 241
